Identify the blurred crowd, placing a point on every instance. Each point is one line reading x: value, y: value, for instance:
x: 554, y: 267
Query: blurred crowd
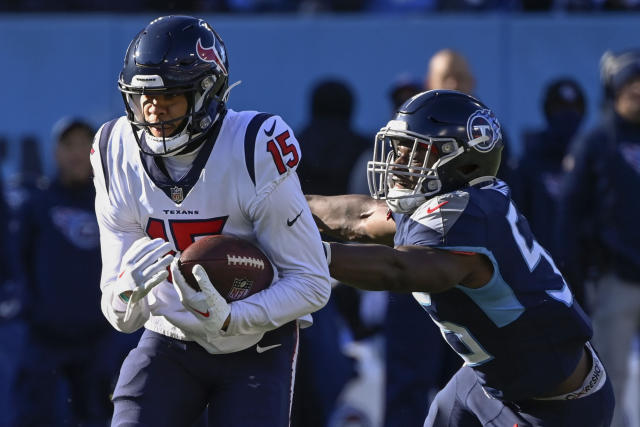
x: 576, y: 187
x: 313, y: 6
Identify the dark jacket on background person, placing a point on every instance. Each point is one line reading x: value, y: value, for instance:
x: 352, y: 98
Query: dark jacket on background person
x: 55, y: 234
x: 331, y: 149
x: 539, y: 183
x: 598, y: 220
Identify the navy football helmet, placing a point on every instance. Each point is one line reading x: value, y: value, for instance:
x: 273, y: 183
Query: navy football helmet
x: 454, y: 139
x: 176, y: 55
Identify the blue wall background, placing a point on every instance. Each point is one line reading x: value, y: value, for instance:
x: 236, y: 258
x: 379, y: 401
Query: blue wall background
x: 54, y: 65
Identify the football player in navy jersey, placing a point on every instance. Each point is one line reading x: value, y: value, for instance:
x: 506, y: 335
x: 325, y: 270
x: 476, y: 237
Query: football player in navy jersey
x: 461, y: 246
x: 178, y: 166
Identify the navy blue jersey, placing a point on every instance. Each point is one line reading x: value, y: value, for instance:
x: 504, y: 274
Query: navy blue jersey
x: 522, y: 332
x: 57, y: 255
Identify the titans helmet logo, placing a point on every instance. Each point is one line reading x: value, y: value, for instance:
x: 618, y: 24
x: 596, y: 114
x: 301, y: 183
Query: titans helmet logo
x: 484, y: 123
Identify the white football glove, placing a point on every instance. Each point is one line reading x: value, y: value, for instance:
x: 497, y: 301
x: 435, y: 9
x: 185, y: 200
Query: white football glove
x: 208, y: 305
x: 144, y: 267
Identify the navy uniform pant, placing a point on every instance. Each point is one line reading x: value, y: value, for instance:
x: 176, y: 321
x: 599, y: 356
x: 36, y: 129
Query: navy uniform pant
x: 463, y: 403
x: 168, y: 382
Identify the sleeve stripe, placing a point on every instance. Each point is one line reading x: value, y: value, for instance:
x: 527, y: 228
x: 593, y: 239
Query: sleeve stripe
x: 250, y: 142
x: 103, y: 144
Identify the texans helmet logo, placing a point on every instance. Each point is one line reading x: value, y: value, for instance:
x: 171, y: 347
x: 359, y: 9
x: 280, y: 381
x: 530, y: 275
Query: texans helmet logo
x: 210, y: 54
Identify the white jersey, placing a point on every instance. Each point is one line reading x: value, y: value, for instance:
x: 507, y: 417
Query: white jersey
x: 244, y: 184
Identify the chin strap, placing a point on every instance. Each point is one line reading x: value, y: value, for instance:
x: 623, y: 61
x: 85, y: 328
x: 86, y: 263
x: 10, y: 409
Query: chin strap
x: 225, y: 95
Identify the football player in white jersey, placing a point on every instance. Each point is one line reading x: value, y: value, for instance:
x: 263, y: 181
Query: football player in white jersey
x: 179, y: 166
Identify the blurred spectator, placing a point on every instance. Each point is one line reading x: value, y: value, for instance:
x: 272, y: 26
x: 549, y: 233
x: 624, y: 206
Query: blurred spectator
x: 449, y: 69
x: 70, y: 346
x: 401, y: 6
x: 598, y: 219
x: 540, y: 171
x: 537, y: 5
x: 479, y: 5
x: 599, y: 5
x: 31, y: 172
x: 312, y: 6
x: 331, y: 145
x: 11, y: 332
x: 403, y: 88
x: 262, y: 6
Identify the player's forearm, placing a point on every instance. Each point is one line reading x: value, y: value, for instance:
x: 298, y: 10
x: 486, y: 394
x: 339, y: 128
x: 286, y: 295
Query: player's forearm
x: 402, y: 269
x: 364, y: 266
x: 287, y: 299
x: 350, y: 217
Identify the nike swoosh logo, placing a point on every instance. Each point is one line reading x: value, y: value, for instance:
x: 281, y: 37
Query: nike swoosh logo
x: 438, y: 206
x: 290, y: 222
x: 263, y: 349
x: 270, y: 132
x: 201, y: 313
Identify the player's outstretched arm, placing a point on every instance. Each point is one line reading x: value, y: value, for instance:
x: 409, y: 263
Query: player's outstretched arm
x: 353, y: 217
x: 406, y: 268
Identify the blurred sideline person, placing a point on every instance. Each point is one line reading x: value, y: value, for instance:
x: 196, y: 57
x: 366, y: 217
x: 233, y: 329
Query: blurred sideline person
x: 406, y: 386
x: 471, y: 261
x: 449, y: 69
x: 540, y: 172
x: 12, y: 329
x: 69, y: 346
x: 599, y: 215
x: 179, y: 166
x: 328, y: 132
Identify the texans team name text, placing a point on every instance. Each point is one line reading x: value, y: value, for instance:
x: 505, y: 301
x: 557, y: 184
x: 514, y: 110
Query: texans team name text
x: 180, y: 212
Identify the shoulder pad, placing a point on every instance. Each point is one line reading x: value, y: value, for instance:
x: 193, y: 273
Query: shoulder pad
x: 440, y: 213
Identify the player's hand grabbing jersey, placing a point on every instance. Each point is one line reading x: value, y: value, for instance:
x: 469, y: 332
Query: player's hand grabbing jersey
x: 243, y: 183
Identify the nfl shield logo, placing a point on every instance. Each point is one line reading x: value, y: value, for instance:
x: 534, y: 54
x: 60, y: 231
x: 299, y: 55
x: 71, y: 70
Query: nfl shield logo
x: 176, y: 194
x: 239, y: 289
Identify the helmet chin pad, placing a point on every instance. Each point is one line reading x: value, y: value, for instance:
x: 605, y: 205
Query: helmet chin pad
x: 167, y: 145
x: 404, y: 200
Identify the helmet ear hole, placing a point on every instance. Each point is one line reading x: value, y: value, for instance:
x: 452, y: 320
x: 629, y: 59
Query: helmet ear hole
x: 468, y: 169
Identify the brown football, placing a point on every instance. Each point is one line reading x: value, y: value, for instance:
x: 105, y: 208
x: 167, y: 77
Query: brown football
x: 237, y: 268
